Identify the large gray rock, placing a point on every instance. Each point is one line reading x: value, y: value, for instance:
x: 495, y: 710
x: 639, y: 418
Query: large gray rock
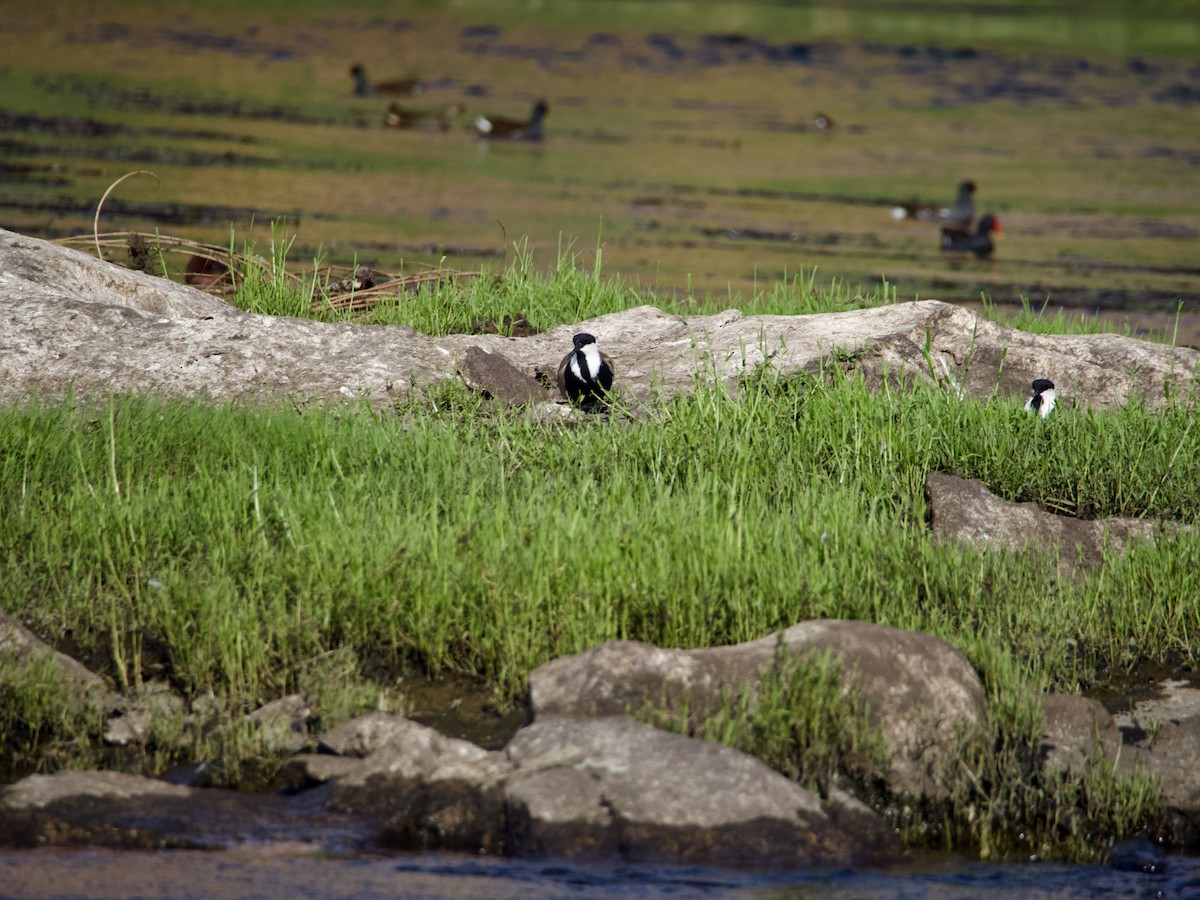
x: 965, y: 510
x: 601, y: 787
x: 921, y: 691
x: 113, y: 809
x: 429, y: 790
x: 363, y: 735
x: 68, y: 320
x: 40, y: 791
x: 1074, y: 729
x: 26, y: 649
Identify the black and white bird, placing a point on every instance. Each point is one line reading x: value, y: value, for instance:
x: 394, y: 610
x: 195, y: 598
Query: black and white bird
x: 585, y: 374
x: 501, y: 128
x: 1043, y: 398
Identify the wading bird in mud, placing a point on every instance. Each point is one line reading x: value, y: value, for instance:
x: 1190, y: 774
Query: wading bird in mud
x: 585, y: 375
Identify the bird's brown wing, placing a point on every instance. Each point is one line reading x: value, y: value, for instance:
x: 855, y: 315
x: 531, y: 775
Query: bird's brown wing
x: 562, y: 374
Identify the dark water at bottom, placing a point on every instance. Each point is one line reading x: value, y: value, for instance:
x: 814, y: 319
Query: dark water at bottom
x: 293, y: 870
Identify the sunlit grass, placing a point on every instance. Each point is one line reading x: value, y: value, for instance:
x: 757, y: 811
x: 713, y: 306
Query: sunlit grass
x: 255, y: 551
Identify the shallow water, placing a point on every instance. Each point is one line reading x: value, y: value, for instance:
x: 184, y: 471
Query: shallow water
x: 292, y: 870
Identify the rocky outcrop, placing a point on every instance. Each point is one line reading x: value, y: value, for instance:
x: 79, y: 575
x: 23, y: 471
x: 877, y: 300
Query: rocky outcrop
x: 23, y: 647
x: 965, y: 510
x: 113, y: 809
x: 594, y: 789
x: 921, y: 692
x: 606, y: 787
x: 602, y: 788
x: 429, y: 790
x: 1074, y: 728
x: 70, y: 321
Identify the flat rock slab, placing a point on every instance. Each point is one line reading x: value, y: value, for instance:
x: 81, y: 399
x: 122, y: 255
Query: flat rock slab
x: 23, y: 647
x: 611, y: 786
x: 921, y: 691
x: 71, y: 322
x: 113, y: 809
x: 965, y: 510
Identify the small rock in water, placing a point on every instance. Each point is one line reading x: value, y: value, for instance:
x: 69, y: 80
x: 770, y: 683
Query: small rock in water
x: 1140, y: 855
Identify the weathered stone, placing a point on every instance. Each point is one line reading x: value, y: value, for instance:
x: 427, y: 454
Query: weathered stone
x: 921, y: 691
x: 20, y: 644
x: 111, y: 809
x: 429, y: 790
x: 69, y: 321
x: 305, y: 770
x: 586, y: 786
x: 38, y: 791
x: 1169, y: 700
x: 491, y: 374
x: 1174, y: 755
x: 363, y: 735
x: 152, y: 702
x: 1074, y: 728
x: 965, y: 510
x: 282, y: 723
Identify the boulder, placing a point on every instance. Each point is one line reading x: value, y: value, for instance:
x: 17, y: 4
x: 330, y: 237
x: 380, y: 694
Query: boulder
x: 69, y: 321
x: 1074, y: 728
x: 21, y: 645
x: 282, y: 724
x: 600, y: 788
x: 604, y: 787
x: 965, y: 510
x: 921, y: 691
x: 363, y: 735
x: 495, y: 377
x: 429, y: 790
x: 113, y: 809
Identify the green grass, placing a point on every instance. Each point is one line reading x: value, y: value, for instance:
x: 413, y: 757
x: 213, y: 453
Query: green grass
x: 255, y: 551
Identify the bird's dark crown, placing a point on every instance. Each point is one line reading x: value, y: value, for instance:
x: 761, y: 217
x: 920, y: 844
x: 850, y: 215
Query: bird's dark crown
x: 1042, y: 384
x: 582, y: 340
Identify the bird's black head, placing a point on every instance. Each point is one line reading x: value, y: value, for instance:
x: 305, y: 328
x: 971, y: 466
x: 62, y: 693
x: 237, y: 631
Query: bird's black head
x: 582, y: 340
x: 1042, y: 384
x: 967, y: 187
x: 989, y: 224
x: 540, y: 109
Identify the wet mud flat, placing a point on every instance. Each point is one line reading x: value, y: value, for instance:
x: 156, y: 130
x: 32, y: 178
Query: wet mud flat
x: 691, y: 156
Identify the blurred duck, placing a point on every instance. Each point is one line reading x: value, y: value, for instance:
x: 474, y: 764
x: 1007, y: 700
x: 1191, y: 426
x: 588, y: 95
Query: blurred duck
x: 1043, y: 398
x: 364, y: 87
x: 957, y: 217
x: 500, y: 128
x: 407, y: 117
x: 979, y: 243
x: 825, y: 124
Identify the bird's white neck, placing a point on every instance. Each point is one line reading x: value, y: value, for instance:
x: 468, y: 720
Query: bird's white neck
x: 591, y: 362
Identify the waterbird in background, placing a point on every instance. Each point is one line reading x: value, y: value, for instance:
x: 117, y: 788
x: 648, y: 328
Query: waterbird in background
x: 1042, y: 399
x: 364, y: 87
x: 585, y: 374
x: 408, y: 117
x: 530, y: 129
x: 957, y: 217
x: 979, y: 243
